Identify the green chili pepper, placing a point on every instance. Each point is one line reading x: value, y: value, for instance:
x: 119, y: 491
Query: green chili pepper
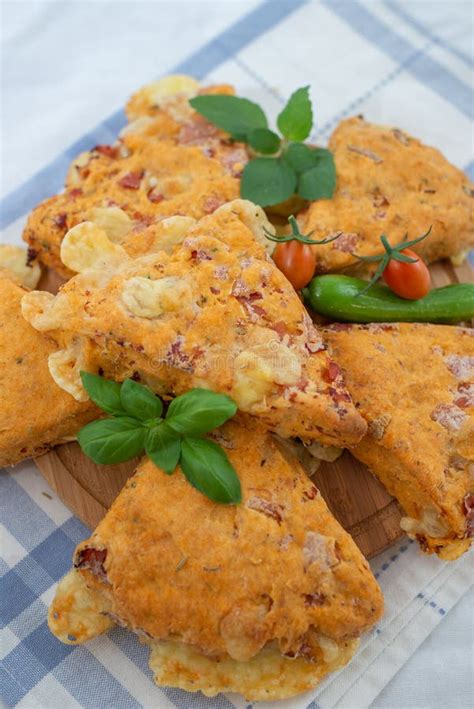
x: 346, y: 298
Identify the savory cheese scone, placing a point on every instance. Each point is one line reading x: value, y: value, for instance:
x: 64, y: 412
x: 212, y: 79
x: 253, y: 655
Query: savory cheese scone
x: 35, y: 413
x: 168, y: 163
x: 214, y: 312
x: 389, y: 183
x: 263, y: 598
x: 414, y: 384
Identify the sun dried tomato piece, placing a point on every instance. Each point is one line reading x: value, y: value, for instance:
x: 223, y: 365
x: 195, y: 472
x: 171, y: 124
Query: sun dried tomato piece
x: 107, y: 150
x: 60, y: 220
x: 311, y: 493
x: 155, y: 196
x: 269, y: 509
x: 332, y: 372
x: 199, y: 255
x: 93, y: 559
x: 131, y: 181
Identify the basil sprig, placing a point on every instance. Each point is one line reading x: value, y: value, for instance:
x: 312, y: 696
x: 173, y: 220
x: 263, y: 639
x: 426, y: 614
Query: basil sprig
x: 137, y: 424
x: 283, y: 164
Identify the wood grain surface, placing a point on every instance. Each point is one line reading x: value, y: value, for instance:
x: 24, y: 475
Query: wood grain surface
x: 356, y: 498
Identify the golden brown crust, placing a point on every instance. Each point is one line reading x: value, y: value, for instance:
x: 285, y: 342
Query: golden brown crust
x: 177, y: 163
x: 80, y: 613
x: 390, y: 183
x: 414, y: 384
x: 215, y: 312
x: 34, y: 413
x: 278, y: 567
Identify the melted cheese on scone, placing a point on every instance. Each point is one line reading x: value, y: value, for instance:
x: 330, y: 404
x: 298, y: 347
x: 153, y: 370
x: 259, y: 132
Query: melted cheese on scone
x: 169, y: 161
x: 215, y: 312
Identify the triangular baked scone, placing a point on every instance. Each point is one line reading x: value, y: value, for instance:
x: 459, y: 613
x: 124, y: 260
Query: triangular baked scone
x: 171, y: 162
x: 414, y: 384
x: 390, y: 183
x: 35, y: 413
x: 214, y: 312
x: 263, y: 598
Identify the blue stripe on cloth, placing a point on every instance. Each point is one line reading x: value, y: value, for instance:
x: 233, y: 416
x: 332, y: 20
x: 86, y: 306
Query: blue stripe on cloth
x: 129, y: 644
x: 260, y: 80
x: 432, y: 604
x: 54, y: 554
x: 427, y: 70
x: 393, y: 558
x: 469, y: 170
x: 10, y: 691
x: 15, y: 596
x: 31, y: 618
x: 33, y: 525
x: 94, y: 686
x: 33, y: 574
x: 46, y: 647
x: 352, y: 107
x: 48, y: 181
x: 425, y: 31
x: 26, y: 667
x: 75, y: 530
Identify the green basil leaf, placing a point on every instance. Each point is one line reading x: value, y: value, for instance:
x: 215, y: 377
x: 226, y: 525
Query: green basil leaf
x: 104, y: 393
x: 163, y: 446
x: 237, y: 116
x: 264, y: 141
x: 267, y: 181
x: 300, y: 157
x: 296, y: 119
x: 139, y: 401
x: 111, y: 441
x: 209, y: 470
x: 320, y: 181
x: 199, y: 411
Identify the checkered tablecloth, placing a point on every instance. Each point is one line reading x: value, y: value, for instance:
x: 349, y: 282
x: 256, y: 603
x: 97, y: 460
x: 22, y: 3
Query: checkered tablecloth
x: 67, y: 66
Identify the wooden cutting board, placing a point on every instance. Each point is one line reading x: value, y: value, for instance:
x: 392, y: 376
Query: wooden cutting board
x: 356, y: 498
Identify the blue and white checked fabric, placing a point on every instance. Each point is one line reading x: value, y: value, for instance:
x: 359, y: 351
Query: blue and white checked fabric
x: 408, y: 63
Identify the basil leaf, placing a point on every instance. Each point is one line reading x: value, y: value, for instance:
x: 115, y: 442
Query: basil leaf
x: 237, y: 116
x: 199, y: 411
x: 139, y: 401
x: 163, y: 446
x: 267, y: 181
x: 296, y: 119
x: 104, y: 393
x: 300, y: 157
x: 264, y: 141
x: 111, y: 441
x: 209, y: 470
x: 320, y: 181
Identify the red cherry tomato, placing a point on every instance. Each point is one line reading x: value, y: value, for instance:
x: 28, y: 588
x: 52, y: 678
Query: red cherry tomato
x: 297, y: 261
x: 408, y: 280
